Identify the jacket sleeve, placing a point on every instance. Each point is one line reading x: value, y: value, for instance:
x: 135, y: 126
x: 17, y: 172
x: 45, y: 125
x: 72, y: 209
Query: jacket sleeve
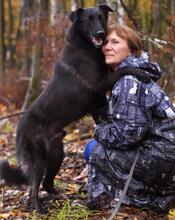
x: 128, y: 123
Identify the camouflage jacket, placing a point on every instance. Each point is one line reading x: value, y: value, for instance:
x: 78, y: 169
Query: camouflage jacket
x: 140, y: 116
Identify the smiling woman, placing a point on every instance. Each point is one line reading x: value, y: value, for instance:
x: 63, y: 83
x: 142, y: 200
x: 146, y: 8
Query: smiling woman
x: 120, y: 43
x: 115, y: 49
x: 139, y: 117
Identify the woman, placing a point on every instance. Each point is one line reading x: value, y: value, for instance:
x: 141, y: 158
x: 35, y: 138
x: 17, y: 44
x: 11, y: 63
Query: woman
x: 140, y: 116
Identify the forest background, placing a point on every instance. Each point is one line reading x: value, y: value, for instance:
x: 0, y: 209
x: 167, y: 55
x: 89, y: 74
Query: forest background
x: 32, y: 35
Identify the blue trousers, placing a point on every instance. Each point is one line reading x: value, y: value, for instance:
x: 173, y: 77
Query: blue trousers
x: 88, y: 149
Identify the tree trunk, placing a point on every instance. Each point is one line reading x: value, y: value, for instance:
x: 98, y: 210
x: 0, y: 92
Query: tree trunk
x: 34, y: 85
x: 2, y: 48
x: 74, y: 5
x: 169, y: 6
x: 158, y: 18
x: 101, y: 2
x: 64, y: 6
x: 23, y: 34
x: 82, y: 3
x: 10, y: 37
x: 53, y: 11
x: 129, y: 13
x: 24, y: 9
x: 120, y: 13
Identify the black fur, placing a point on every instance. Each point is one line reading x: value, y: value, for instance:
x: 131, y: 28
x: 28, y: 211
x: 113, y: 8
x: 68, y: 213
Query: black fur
x: 75, y: 90
x: 9, y: 174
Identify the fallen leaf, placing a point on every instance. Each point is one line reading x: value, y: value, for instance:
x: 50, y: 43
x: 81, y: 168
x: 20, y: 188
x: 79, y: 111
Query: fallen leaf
x: 172, y: 213
x: 4, y: 215
x: 2, y: 141
x: 72, y: 189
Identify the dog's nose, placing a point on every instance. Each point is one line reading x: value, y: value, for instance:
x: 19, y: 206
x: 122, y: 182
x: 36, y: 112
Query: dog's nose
x: 100, y: 33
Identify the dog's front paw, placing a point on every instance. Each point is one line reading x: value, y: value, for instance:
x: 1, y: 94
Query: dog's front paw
x: 49, y: 189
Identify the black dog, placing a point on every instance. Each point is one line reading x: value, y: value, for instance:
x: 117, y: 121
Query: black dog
x: 77, y: 88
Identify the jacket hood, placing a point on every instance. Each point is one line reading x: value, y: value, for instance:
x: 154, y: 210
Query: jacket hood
x: 152, y: 69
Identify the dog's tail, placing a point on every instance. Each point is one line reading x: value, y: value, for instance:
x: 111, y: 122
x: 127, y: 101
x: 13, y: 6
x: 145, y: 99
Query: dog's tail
x: 12, y: 175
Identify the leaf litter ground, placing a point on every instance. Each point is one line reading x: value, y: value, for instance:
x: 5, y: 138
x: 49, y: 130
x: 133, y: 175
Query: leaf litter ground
x: 70, y: 204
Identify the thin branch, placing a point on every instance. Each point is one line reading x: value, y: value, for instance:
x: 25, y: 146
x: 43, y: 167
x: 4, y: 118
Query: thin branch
x: 12, y: 115
x: 5, y: 100
x: 158, y: 42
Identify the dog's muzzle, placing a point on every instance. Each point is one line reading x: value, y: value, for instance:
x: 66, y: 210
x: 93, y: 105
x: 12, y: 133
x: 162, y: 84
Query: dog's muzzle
x: 98, y: 38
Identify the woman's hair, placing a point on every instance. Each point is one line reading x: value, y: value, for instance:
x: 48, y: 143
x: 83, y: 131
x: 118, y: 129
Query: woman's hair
x: 125, y: 32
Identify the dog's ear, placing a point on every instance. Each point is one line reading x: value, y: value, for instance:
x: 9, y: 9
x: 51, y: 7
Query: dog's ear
x: 75, y: 15
x: 105, y: 8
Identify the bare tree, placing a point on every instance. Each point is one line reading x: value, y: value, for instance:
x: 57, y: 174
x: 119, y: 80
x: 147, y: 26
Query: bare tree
x: 170, y: 4
x: 120, y: 12
x: 34, y: 85
x: 101, y: 2
x: 129, y: 13
x: 74, y: 5
x: 23, y: 32
x: 158, y: 18
x: 24, y: 9
x: 82, y: 3
x: 53, y: 11
x: 10, y: 35
x: 2, y: 49
x: 64, y: 6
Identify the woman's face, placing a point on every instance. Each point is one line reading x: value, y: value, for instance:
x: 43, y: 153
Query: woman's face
x: 115, y: 49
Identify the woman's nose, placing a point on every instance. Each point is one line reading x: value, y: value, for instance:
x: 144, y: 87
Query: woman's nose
x: 108, y: 45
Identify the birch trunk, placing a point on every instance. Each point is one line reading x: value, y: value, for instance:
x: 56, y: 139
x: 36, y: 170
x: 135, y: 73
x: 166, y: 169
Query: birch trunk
x: 53, y: 12
x: 74, y: 5
x: 120, y: 12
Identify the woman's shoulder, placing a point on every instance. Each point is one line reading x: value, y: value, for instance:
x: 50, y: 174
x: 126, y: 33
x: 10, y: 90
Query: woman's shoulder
x: 131, y: 90
x: 127, y: 81
x: 128, y: 86
x: 129, y: 78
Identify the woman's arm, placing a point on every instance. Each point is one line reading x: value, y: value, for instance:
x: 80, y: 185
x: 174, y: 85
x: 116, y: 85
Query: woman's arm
x: 128, y: 124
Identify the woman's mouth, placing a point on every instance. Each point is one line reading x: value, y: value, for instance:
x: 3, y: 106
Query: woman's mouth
x: 108, y: 55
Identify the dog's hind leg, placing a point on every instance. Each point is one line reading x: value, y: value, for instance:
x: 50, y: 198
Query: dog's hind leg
x: 36, y: 176
x: 55, y: 155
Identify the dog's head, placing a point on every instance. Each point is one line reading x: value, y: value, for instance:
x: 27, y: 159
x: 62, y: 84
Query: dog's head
x: 91, y: 23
